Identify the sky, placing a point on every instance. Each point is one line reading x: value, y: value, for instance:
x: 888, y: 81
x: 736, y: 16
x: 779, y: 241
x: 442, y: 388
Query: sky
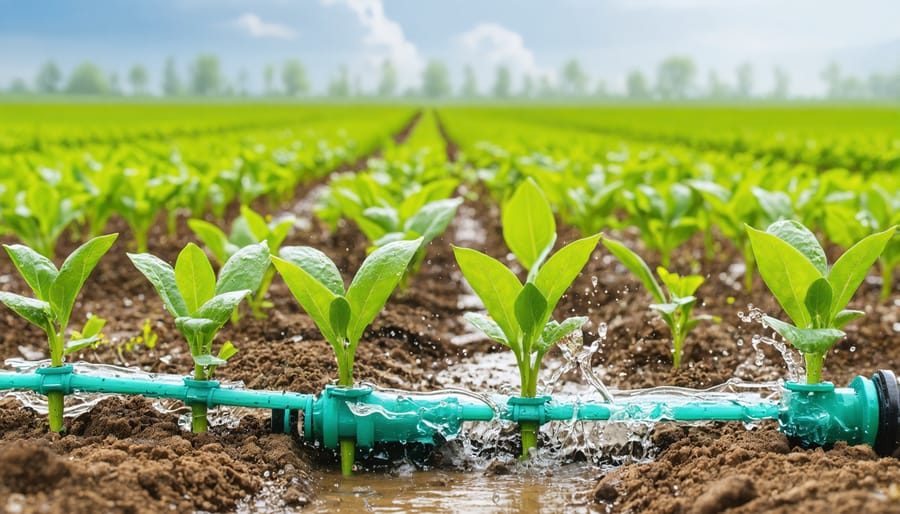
x: 609, y: 37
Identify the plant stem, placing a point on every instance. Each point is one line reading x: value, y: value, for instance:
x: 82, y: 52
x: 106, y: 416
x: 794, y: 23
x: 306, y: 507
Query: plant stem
x: 749, y: 262
x: 814, y: 363
x: 676, y: 351
x: 255, y: 305
x: 55, y: 402
x: 199, y: 423
x: 348, y: 455
x: 529, y: 431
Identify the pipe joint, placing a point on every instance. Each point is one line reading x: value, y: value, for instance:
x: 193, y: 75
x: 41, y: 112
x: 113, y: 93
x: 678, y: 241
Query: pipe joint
x: 525, y: 410
x: 200, y: 391
x: 57, y: 378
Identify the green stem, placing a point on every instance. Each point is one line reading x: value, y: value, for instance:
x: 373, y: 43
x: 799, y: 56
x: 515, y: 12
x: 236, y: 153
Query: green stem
x: 345, y: 367
x: 529, y: 430
x: 676, y: 351
x: 814, y: 363
x: 255, y: 305
x: 348, y: 455
x: 55, y: 403
x: 749, y: 263
x: 199, y: 422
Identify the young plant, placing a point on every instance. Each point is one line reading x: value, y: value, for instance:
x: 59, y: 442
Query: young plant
x: 342, y: 315
x: 520, y: 314
x: 674, y: 303
x: 201, y: 304
x: 248, y: 228
x: 425, y: 224
x: 51, y: 308
x: 666, y: 216
x: 794, y: 267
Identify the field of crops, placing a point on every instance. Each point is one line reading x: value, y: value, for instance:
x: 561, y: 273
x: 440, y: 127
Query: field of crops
x: 476, y: 235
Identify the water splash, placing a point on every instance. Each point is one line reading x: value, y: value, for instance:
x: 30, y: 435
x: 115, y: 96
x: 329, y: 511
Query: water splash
x: 792, y: 359
x: 578, y: 355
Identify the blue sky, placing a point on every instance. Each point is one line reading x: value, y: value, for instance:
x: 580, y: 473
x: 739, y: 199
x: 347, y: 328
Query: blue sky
x: 609, y: 37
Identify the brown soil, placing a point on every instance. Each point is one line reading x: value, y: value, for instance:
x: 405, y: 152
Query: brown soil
x: 125, y: 456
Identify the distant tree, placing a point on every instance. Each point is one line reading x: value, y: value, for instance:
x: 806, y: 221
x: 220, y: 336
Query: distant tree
x: 387, y: 84
x: 243, y: 81
x: 269, y: 79
x: 781, y: 84
x: 87, y: 79
x: 436, y: 80
x: 601, y: 90
x: 503, y: 82
x: 138, y: 78
x: 49, y: 78
x: 545, y: 87
x: 115, y: 88
x: 171, y: 83
x: 293, y: 75
x: 340, y: 86
x: 18, y: 86
x: 470, y: 83
x: 527, y: 86
x: 717, y: 89
x: 745, y: 80
x: 675, y: 77
x: 637, y: 86
x: 832, y: 77
x: 357, y: 86
x: 206, y: 77
x: 574, y: 79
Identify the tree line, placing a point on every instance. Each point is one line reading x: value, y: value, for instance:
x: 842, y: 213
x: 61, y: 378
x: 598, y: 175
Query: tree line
x: 676, y: 79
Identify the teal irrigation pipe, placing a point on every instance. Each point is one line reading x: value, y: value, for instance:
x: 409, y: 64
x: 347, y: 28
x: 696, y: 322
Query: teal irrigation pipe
x: 866, y: 412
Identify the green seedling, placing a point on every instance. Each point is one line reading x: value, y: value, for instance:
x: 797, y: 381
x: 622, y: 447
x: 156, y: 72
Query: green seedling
x: 41, y: 214
x: 201, y: 304
x: 666, y: 217
x: 247, y: 229
x: 55, y: 291
x: 425, y: 224
x: 148, y: 338
x: 520, y: 314
x: 674, y: 299
x: 794, y: 267
x: 343, y: 315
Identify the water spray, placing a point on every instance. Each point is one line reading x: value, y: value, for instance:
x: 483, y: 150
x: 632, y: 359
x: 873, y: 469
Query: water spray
x: 865, y: 412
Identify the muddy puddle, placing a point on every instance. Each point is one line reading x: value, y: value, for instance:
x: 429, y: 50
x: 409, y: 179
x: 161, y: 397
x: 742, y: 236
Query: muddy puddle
x: 563, y: 489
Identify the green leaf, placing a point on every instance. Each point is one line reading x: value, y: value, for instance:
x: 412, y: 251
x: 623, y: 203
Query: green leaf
x: 245, y: 269
x: 317, y: 265
x: 199, y: 333
x: 227, y: 351
x: 560, y: 270
x: 279, y: 232
x: 786, y: 271
x: 35, y: 311
x: 310, y: 293
x: 795, y: 234
x: 37, y: 270
x: 486, y: 325
x: 432, y: 219
x: 633, y: 262
x: 528, y: 224
x: 195, y: 277
x: 219, y: 307
x: 384, y: 217
x: 554, y: 331
x: 496, y: 285
x: 257, y: 224
x: 207, y: 360
x: 162, y: 276
x: 807, y: 340
x: 339, y: 316
x: 79, y: 344
x: 846, y: 316
x: 73, y: 273
x: 374, y: 282
x: 92, y: 327
x: 213, y: 238
x: 677, y: 285
x: 530, y: 307
x: 850, y: 270
x: 818, y: 303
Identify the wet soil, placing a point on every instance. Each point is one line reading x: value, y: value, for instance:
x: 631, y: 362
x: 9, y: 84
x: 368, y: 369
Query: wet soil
x: 125, y: 456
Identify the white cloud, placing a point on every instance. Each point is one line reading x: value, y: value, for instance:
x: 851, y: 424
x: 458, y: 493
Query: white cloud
x: 384, y: 39
x: 488, y: 45
x: 254, y: 26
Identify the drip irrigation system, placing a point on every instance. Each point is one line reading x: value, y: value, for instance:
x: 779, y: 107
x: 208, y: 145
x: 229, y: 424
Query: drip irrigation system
x: 865, y: 412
